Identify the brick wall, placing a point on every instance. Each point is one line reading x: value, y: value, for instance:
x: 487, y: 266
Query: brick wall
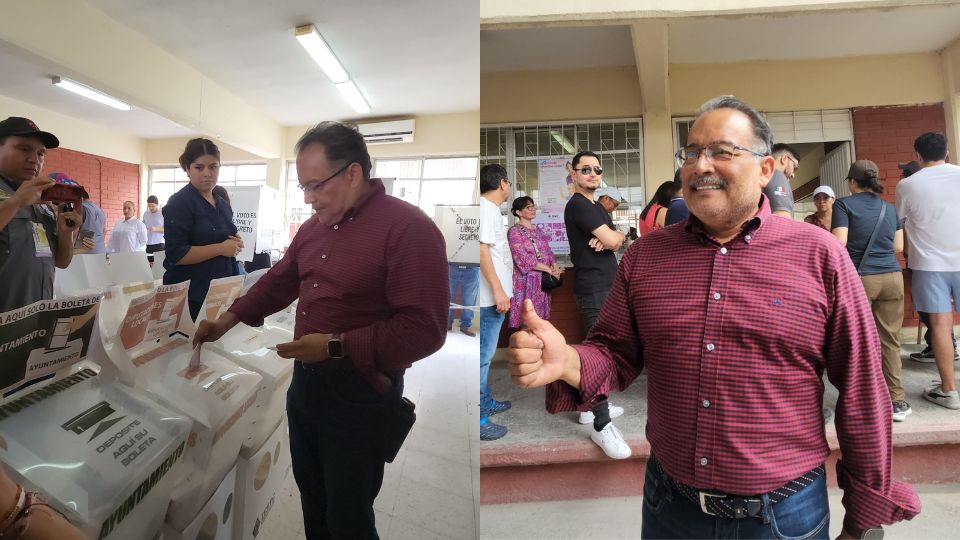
x: 885, y: 136
x: 108, y: 181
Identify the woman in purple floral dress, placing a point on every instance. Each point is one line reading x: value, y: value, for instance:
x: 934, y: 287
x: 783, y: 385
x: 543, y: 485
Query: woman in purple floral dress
x: 531, y: 257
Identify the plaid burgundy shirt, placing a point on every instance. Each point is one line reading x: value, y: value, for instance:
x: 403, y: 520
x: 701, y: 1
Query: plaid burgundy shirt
x: 735, y: 339
x: 379, y: 277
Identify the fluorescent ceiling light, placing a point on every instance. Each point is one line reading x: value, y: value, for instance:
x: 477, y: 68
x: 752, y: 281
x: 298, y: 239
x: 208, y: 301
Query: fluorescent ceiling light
x: 563, y: 141
x: 90, y: 93
x: 354, y: 97
x: 308, y: 36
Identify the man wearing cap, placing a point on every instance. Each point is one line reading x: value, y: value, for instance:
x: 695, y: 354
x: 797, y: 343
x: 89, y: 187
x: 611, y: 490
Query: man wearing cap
x: 33, y: 237
x: 735, y: 316
x: 778, y: 190
x: 927, y: 204
x: 823, y: 198
x: 593, y: 241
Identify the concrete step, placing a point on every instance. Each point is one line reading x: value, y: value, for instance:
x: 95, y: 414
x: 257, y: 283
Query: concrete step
x: 551, y: 457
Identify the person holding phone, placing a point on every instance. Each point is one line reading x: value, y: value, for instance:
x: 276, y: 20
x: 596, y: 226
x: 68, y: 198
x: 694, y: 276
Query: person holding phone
x: 34, y: 238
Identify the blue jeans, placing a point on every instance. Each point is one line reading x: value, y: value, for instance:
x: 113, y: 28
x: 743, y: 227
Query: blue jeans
x: 490, y: 322
x: 467, y: 279
x: 668, y: 514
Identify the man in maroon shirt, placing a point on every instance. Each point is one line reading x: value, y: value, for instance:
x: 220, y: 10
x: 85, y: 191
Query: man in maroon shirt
x: 758, y: 307
x: 370, y: 271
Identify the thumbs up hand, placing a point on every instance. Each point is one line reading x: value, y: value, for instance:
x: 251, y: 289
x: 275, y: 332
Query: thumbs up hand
x: 539, y: 355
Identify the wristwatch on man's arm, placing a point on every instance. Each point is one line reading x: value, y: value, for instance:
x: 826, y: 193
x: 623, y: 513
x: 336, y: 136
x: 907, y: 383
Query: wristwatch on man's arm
x: 335, y: 347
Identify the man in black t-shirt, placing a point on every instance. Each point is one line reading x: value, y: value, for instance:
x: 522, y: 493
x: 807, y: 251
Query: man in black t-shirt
x: 593, y: 241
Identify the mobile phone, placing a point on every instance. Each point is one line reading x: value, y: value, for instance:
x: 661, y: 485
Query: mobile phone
x: 272, y: 347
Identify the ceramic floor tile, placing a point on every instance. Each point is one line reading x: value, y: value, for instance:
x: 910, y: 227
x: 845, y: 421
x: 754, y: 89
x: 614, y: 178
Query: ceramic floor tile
x: 450, y: 476
x: 435, y: 510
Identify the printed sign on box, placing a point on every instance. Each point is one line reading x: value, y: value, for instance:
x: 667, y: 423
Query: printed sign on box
x: 460, y: 226
x: 43, y: 337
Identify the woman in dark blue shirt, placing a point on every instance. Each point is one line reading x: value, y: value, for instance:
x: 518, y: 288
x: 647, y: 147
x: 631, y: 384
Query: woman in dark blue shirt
x: 201, y: 239
x: 854, y: 220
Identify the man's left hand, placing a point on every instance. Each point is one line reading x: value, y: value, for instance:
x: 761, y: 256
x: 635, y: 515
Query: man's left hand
x: 308, y: 349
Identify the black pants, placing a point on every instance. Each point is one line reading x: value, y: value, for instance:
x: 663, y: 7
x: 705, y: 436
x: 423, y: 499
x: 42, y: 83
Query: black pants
x: 589, y: 306
x: 337, y: 445
x: 152, y: 248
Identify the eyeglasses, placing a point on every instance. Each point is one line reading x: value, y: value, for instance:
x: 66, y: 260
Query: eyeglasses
x: 586, y: 170
x: 689, y: 155
x: 313, y: 186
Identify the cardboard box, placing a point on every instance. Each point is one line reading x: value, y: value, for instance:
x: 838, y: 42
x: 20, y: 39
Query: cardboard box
x: 104, y: 454
x: 215, y: 519
x: 259, y: 478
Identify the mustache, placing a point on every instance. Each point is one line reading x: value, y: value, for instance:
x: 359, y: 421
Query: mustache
x: 708, y: 181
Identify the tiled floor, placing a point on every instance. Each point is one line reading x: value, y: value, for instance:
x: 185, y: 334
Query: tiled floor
x: 432, y: 489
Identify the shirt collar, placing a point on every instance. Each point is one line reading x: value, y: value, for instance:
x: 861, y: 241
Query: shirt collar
x: 376, y: 192
x: 747, y: 230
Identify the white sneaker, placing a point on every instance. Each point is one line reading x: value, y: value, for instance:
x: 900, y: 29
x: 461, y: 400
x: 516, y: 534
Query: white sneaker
x: 610, y: 440
x: 586, y: 417
x: 950, y: 400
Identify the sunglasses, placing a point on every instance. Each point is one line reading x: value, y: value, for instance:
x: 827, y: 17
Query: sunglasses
x: 586, y: 170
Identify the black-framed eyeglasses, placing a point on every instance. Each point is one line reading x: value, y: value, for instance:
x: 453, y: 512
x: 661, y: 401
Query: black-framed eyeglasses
x: 313, y: 186
x: 721, y: 151
x: 586, y: 170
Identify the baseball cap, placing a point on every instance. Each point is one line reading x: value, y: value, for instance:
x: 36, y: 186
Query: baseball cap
x: 611, y: 192
x: 859, y: 168
x: 827, y: 190
x: 16, y: 125
x: 909, y: 168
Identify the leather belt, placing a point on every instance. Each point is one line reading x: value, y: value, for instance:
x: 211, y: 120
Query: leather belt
x: 737, y: 506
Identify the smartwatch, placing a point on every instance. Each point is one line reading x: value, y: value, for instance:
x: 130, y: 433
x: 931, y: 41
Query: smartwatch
x: 335, y: 347
x: 875, y: 533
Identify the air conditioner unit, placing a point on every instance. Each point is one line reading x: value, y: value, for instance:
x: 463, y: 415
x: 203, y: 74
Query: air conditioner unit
x: 397, y: 131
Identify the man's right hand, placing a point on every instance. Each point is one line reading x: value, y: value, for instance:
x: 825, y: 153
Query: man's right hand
x: 214, y: 330
x: 502, y: 300
x: 539, y: 355
x: 29, y: 191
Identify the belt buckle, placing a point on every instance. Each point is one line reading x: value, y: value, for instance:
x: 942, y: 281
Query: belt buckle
x: 703, y: 501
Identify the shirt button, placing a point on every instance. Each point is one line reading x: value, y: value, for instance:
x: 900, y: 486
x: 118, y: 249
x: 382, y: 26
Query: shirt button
x: 315, y: 285
x: 716, y: 296
x: 723, y: 251
x: 710, y: 346
x: 303, y: 312
x: 703, y: 461
x: 706, y: 403
x: 336, y: 227
x: 324, y: 256
x: 747, y: 237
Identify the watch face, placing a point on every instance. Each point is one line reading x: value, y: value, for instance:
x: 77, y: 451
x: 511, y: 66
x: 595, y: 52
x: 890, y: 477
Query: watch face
x: 872, y: 534
x: 335, y: 348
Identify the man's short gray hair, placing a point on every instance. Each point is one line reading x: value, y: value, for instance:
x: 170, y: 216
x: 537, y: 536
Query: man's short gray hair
x: 762, y: 133
x: 341, y: 142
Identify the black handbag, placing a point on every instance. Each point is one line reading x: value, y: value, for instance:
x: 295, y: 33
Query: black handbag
x: 398, y: 426
x: 547, y: 281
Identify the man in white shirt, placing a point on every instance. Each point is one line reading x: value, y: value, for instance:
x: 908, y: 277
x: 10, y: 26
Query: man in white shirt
x: 153, y: 219
x: 927, y: 204
x: 496, y: 288
x: 129, y: 234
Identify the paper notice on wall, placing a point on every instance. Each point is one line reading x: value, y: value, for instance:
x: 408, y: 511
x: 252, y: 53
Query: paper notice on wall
x: 460, y: 226
x: 43, y: 337
x: 246, y: 208
x: 556, y: 187
x: 556, y: 184
x: 220, y: 296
